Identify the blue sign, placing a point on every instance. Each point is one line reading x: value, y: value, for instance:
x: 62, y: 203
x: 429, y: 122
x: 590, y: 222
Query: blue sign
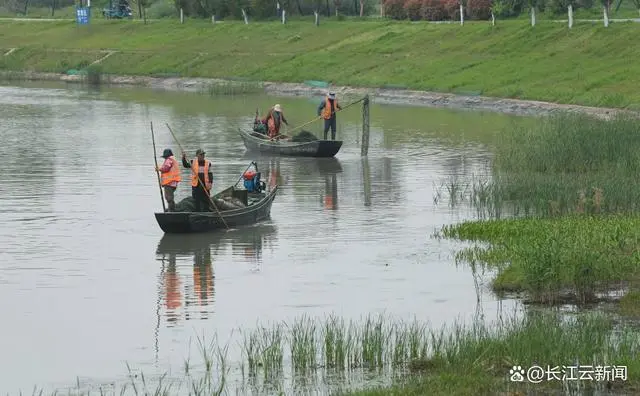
x: 82, y: 15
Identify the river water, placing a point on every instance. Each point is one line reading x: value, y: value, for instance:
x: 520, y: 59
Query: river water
x: 88, y: 282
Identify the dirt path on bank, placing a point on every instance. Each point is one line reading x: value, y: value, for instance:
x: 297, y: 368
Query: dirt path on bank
x: 378, y: 95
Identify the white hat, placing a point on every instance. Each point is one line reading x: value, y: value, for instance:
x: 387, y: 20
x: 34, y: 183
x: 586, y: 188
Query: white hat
x: 332, y: 95
x: 277, y: 108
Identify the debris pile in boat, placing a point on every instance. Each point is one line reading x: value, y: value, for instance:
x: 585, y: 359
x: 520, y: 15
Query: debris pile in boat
x: 304, y: 136
x: 259, y: 127
x: 225, y: 203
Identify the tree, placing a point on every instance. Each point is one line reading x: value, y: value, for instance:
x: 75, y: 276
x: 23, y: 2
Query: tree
x: 479, y: 9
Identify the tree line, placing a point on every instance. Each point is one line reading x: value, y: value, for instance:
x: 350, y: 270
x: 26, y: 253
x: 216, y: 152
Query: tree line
x: 432, y: 10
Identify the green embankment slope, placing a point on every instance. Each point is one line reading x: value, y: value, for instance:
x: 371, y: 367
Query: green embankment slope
x: 589, y: 64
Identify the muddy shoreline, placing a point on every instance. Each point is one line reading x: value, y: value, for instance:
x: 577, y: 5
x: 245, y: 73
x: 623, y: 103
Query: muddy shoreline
x: 378, y: 95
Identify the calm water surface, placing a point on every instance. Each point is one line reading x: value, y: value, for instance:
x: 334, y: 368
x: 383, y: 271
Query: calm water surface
x: 89, y: 283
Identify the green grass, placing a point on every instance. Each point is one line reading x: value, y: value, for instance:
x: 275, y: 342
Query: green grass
x: 581, y: 255
x: 571, y: 143
x: 573, y: 177
x: 549, y: 62
x: 41, y: 13
x: 568, y: 163
x: 449, y: 360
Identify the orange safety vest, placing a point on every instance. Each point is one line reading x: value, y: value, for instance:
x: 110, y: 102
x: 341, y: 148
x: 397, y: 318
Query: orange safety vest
x: 194, y: 174
x: 326, y: 111
x: 174, y: 173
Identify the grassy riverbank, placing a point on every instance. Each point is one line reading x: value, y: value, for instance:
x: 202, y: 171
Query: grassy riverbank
x: 549, y: 62
x: 456, y: 360
x: 570, y: 182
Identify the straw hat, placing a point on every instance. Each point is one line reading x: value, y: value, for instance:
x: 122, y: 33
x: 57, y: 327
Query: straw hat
x: 277, y: 108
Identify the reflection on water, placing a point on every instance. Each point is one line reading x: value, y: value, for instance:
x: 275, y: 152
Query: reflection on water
x: 330, y: 192
x: 275, y: 178
x: 193, y: 297
x: 366, y: 181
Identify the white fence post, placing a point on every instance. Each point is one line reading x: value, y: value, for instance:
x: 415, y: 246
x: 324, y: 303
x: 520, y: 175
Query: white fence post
x: 570, y: 10
x: 533, y: 16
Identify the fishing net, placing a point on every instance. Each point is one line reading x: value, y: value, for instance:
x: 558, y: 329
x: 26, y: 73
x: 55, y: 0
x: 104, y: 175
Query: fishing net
x: 226, y: 203
x: 304, y: 136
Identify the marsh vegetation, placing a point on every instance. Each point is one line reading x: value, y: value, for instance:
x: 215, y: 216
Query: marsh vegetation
x: 560, y: 209
x: 459, y: 357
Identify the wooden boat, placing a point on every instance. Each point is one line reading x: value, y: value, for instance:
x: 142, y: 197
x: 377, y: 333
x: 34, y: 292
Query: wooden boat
x: 257, y: 208
x: 255, y: 141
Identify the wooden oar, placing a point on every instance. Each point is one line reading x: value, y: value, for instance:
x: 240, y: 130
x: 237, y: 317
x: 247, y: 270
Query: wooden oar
x: 198, y: 178
x: 155, y: 157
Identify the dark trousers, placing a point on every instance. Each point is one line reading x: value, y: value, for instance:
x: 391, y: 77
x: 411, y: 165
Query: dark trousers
x: 330, y: 123
x: 201, y: 197
x: 169, y: 196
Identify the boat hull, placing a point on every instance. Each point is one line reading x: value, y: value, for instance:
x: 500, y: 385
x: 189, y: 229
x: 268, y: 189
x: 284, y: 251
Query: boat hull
x: 197, y: 222
x: 317, y: 148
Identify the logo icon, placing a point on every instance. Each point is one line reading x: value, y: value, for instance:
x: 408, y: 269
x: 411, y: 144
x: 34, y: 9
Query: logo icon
x: 516, y: 374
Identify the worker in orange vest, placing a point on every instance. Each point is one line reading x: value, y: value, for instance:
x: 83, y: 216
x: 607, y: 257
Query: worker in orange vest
x: 327, y: 110
x: 170, y: 177
x: 200, y: 170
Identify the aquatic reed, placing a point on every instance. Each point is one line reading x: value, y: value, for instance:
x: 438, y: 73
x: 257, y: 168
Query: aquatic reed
x: 479, y: 349
x: 303, y: 344
x: 566, y: 163
x: 567, y: 179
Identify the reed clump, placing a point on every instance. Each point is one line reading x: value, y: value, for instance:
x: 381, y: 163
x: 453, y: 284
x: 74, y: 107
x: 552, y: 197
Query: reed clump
x: 450, y: 356
x: 566, y: 163
x: 571, y: 143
